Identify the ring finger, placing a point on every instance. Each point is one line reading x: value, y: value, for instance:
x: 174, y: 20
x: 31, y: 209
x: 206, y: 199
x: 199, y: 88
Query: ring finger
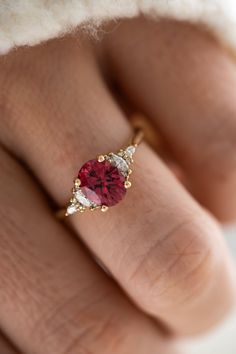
x: 6, y: 347
x: 175, y: 253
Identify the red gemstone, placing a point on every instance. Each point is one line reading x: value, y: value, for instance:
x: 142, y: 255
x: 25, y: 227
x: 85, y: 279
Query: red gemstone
x: 102, y: 183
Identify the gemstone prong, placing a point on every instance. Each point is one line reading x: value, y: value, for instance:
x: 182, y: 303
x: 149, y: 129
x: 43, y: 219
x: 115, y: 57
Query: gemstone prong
x: 101, y: 158
x: 77, y: 182
x: 104, y: 208
x: 127, y: 184
x: 81, y: 209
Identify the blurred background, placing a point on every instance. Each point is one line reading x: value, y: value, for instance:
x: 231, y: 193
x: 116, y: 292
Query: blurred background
x: 222, y: 340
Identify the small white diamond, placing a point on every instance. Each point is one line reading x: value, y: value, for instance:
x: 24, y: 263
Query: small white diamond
x: 71, y: 209
x: 82, y: 199
x: 130, y: 150
x: 120, y: 163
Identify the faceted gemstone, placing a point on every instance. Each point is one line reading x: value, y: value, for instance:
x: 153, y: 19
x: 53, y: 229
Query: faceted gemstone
x: 79, y: 195
x: 71, y: 209
x: 102, y: 183
x: 120, y: 163
x: 130, y: 150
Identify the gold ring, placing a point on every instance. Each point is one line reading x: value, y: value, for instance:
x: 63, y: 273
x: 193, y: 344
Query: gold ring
x: 102, y: 182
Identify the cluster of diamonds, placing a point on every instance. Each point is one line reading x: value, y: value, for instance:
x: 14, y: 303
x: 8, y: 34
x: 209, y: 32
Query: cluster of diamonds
x: 122, y: 161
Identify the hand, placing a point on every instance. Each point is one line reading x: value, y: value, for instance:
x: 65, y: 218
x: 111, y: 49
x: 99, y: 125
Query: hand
x: 171, y: 271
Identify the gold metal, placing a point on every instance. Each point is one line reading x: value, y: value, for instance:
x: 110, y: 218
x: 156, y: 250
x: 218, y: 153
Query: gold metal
x: 101, y: 158
x: 128, y: 184
x: 138, y: 137
x: 60, y: 214
x: 77, y: 182
x: 104, y: 208
x: 92, y: 208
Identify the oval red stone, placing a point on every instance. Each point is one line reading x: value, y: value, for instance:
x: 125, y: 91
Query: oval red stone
x: 102, y: 183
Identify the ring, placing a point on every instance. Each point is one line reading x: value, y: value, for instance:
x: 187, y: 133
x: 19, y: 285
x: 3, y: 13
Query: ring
x: 101, y: 183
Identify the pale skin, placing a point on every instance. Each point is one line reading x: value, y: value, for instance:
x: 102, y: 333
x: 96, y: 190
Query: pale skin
x: 171, y: 271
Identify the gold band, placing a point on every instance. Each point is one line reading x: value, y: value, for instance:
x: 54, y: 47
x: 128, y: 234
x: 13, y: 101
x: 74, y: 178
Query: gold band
x: 61, y: 214
x: 138, y: 137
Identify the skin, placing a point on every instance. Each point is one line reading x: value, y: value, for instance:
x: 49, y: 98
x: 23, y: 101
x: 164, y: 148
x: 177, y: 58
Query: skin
x: 169, y: 271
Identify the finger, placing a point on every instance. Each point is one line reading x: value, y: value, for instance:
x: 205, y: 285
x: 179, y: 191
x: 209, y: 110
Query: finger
x: 160, y: 246
x: 6, y: 347
x: 53, y: 298
x: 188, y: 90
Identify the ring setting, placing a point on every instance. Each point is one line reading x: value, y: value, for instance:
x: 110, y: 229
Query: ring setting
x: 102, y: 182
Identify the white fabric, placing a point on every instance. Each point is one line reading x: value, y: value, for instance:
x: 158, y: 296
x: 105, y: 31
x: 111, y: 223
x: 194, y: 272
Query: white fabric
x: 31, y: 21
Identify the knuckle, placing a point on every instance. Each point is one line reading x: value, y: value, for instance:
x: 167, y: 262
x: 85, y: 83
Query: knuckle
x: 179, y: 265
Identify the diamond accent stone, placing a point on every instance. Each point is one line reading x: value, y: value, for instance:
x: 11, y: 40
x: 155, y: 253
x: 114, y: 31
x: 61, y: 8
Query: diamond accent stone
x: 71, y: 209
x: 120, y: 163
x: 79, y: 195
x: 130, y: 150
